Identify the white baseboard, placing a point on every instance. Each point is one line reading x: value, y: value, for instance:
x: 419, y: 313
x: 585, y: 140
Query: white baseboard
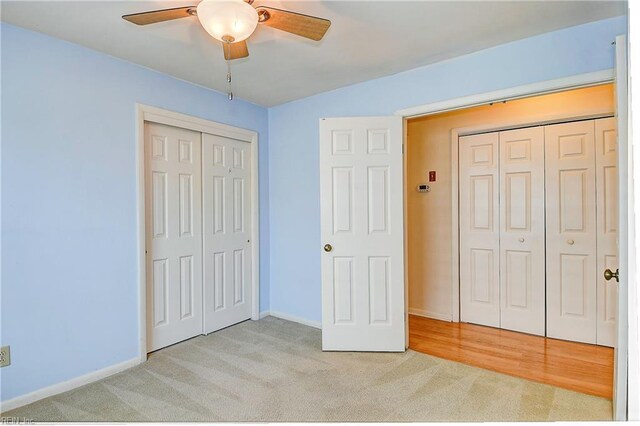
x: 264, y: 314
x: 429, y: 314
x: 292, y: 318
x: 76, y: 382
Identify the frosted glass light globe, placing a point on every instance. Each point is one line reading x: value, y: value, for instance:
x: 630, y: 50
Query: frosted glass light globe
x: 228, y: 20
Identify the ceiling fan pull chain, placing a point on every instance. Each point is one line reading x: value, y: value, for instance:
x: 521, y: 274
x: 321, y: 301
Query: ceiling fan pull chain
x: 227, y: 45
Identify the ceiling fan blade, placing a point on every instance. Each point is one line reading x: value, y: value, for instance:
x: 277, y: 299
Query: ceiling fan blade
x: 155, y: 16
x: 294, y: 23
x: 235, y: 50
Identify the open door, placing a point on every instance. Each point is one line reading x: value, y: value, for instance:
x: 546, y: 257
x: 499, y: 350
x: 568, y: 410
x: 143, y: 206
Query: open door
x: 626, y: 232
x: 362, y: 234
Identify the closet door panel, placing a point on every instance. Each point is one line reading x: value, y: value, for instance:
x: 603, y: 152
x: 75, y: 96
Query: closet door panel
x: 226, y: 231
x: 607, y: 225
x: 479, y: 230
x: 571, y: 231
x: 173, y: 234
x: 522, y: 248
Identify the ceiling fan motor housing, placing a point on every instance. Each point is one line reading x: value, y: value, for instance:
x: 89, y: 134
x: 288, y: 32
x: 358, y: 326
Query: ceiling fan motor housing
x: 227, y: 20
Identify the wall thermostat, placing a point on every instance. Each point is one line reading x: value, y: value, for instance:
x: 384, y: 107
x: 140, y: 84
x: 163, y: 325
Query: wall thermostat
x: 423, y: 187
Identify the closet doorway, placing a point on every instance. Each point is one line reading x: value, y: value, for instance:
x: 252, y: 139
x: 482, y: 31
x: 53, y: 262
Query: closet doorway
x: 517, y: 269
x: 199, y: 226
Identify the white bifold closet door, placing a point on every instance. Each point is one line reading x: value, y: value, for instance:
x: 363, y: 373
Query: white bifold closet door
x: 607, y: 229
x: 173, y: 235
x: 510, y: 183
x: 502, y: 253
x: 227, y: 231
x: 571, y: 231
x: 479, y: 230
x: 522, y: 245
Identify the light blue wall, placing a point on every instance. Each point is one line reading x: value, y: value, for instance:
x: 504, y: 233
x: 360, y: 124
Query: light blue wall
x: 293, y: 136
x: 69, y: 259
x: 69, y: 294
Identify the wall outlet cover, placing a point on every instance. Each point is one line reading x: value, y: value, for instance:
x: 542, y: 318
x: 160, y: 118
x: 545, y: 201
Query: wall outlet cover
x: 5, y: 356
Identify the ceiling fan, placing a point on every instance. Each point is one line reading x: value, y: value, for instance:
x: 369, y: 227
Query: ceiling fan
x: 233, y: 21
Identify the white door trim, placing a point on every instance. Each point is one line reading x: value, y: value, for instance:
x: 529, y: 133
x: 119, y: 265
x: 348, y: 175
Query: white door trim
x: 548, y: 86
x: 633, y: 92
x: 171, y: 118
x: 623, y: 383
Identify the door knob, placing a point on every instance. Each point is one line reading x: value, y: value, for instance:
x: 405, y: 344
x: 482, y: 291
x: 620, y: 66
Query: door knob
x: 521, y: 239
x: 328, y: 248
x: 608, y: 275
x: 570, y: 242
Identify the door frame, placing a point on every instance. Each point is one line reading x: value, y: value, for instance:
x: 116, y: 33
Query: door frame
x: 512, y: 93
x: 517, y: 92
x: 176, y: 119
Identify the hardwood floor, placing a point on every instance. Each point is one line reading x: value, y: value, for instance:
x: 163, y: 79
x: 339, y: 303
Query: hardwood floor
x: 570, y: 365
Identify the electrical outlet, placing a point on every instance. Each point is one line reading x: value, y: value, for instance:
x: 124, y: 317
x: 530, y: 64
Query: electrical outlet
x: 5, y: 356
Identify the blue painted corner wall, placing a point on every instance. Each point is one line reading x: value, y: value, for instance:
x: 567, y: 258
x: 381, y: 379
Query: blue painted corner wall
x: 69, y: 257
x: 294, y: 186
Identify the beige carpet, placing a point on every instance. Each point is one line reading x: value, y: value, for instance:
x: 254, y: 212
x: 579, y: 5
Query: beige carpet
x: 274, y: 370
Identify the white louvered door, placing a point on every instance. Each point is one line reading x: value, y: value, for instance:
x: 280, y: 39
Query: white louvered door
x: 571, y: 231
x: 227, y: 231
x: 522, y: 244
x: 173, y: 235
x: 479, y: 230
x: 362, y: 231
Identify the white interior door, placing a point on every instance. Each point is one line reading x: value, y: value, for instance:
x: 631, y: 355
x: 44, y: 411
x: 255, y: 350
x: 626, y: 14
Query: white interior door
x: 173, y: 235
x: 571, y: 231
x: 226, y: 175
x: 522, y: 230
x: 479, y: 230
x: 607, y: 229
x: 362, y: 231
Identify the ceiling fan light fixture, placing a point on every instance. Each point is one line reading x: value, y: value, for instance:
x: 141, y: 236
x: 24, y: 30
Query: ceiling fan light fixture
x: 228, y: 20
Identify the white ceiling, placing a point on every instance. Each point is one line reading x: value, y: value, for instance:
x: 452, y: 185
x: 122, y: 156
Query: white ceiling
x: 367, y: 39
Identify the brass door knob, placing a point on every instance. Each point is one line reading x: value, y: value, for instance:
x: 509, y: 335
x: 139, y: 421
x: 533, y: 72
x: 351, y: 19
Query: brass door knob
x: 328, y: 248
x: 608, y: 275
